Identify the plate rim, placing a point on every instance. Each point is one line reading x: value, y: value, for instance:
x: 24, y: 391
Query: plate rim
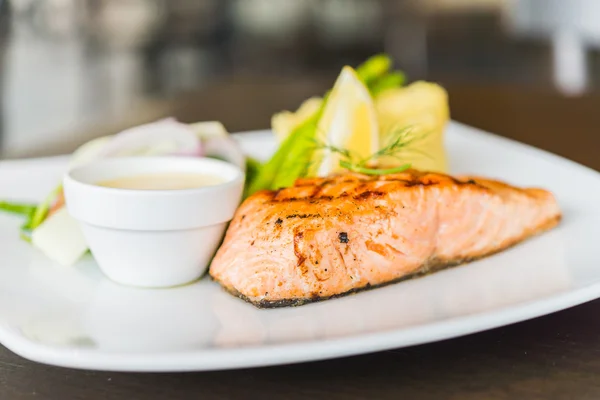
x: 299, y: 352
x: 308, y: 350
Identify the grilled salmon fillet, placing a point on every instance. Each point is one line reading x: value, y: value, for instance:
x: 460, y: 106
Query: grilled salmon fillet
x: 326, y: 237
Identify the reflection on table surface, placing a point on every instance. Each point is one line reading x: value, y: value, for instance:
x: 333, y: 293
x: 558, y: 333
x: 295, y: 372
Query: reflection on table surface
x: 74, y: 70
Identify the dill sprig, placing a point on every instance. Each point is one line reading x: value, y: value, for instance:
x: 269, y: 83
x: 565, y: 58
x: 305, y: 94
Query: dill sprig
x: 373, y: 171
x: 397, y: 145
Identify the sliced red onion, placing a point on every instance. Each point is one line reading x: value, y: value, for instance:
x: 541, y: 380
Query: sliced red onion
x: 163, y: 137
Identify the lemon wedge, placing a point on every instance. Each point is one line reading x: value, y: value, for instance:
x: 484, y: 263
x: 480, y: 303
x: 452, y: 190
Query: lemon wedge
x: 423, y: 108
x: 348, y: 121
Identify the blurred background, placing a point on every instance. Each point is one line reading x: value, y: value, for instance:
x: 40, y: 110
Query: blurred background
x: 71, y: 70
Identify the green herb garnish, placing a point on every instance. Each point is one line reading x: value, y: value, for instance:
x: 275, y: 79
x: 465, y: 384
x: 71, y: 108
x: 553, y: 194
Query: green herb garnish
x: 373, y: 171
x: 395, y: 147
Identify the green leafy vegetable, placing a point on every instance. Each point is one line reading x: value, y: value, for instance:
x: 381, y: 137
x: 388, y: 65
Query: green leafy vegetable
x: 392, y: 80
x: 272, y: 173
x: 292, y: 159
x: 374, y: 68
x: 253, y: 166
x: 298, y: 158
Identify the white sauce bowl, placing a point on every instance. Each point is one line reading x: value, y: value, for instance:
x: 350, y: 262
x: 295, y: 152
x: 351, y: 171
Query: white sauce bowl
x: 153, y: 238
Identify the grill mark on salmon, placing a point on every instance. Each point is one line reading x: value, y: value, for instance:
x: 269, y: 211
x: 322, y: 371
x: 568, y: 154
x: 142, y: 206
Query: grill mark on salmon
x: 303, y: 216
x: 358, y: 232
x: 299, y: 255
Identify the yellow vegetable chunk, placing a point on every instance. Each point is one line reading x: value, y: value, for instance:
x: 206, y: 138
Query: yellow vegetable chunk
x: 423, y: 106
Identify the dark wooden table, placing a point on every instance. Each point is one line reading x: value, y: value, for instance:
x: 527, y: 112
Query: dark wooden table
x: 552, y: 357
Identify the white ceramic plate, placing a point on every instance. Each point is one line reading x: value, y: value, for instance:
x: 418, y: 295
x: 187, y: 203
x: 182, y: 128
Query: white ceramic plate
x: 75, y: 317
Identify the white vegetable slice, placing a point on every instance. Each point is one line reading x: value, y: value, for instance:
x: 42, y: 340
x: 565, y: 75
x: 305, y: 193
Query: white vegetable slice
x: 164, y: 137
x: 209, y: 129
x: 225, y: 148
x: 217, y: 143
x: 89, y: 151
x: 60, y: 238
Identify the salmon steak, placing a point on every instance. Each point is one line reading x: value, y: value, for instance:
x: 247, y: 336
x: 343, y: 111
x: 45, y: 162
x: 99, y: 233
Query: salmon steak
x: 327, y: 237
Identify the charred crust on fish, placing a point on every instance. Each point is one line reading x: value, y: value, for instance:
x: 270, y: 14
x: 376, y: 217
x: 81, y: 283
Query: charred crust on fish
x: 415, y: 182
x: 303, y: 216
x: 343, y: 237
x: 369, y: 194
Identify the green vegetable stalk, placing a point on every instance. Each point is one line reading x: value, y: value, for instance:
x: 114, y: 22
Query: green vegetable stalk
x: 25, y: 210
x: 41, y: 210
x: 18, y: 208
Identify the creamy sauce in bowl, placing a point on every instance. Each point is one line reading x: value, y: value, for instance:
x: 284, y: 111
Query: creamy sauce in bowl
x: 141, y: 228
x: 163, y: 181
